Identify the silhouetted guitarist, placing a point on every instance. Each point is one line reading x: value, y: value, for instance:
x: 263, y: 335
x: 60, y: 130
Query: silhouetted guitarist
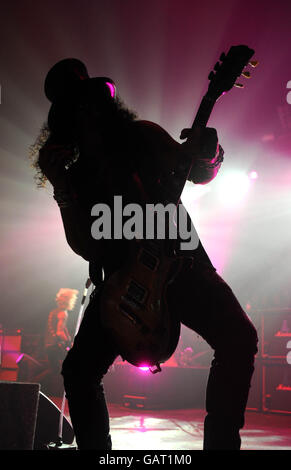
x: 93, y: 150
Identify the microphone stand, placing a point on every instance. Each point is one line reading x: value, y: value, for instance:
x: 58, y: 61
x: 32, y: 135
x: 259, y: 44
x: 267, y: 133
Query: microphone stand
x: 59, y: 445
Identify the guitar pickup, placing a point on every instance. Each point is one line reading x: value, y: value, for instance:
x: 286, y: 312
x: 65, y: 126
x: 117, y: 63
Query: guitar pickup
x: 149, y: 260
x: 136, y: 292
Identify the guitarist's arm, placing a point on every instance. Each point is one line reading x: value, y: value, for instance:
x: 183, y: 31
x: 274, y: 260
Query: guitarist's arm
x: 201, y: 148
x: 77, y: 227
x: 77, y: 224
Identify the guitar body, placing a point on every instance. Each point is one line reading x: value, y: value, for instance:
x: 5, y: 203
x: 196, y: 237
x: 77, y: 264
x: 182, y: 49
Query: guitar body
x: 134, y: 305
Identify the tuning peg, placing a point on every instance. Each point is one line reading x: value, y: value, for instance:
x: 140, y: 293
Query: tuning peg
x: 222, y: 57
x: 246, y: 74
x: 254, y: 63
x: 239, y: 85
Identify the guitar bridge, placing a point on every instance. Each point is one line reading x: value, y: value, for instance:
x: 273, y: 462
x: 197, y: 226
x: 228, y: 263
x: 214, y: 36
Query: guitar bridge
x: 128, y: 313
x: 133, y: 318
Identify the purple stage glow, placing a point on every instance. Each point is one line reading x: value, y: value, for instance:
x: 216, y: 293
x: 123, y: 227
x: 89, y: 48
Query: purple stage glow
x: 19, y: 358
x: 144, y: 368
x: 253, y: 175
x: 160, y: 59
x: 112, y: 89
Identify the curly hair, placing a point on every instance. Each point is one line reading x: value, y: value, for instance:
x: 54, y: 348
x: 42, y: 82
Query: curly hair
x: 67, y: 297
x: 34, y: 149
x: 61, y: 121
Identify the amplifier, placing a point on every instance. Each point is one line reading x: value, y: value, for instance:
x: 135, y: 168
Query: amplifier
x: 276, y: 386
x: 10, y: 352
x: 275, y: 333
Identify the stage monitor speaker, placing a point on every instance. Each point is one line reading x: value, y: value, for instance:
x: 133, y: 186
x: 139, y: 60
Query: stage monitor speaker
x: 18, y: 415
x: 29, y: 420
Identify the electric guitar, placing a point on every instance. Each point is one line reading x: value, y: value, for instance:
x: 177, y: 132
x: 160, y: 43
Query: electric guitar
x: 133, y: 301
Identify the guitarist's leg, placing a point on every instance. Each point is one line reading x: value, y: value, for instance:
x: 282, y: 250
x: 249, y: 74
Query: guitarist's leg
x: 83, y: 369
x: 207, y: 305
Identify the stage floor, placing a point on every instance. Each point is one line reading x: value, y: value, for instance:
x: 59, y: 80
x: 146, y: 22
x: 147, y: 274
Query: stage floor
x: 139, y: 429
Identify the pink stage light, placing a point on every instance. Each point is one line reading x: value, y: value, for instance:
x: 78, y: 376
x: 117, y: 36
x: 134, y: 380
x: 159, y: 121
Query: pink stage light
x: 144, y: 368
x: 19, y: 358
x: 111, y: 88
x: 253, y: 175
x: 233, y: 187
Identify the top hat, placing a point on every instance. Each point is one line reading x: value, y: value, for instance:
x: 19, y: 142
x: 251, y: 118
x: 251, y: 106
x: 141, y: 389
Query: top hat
x: 68, y: 80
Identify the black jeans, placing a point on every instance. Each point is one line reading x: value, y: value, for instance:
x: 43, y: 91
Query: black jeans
x: 207, y: 305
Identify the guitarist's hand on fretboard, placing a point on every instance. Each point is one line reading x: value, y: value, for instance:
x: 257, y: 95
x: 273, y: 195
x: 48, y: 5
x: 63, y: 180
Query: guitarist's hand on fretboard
x: 201, y: 141
x: 221, y: 80
x: 203, y: 148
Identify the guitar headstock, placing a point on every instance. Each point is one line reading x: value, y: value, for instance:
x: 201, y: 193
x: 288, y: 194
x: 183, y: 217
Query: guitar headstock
x: 228, y: 69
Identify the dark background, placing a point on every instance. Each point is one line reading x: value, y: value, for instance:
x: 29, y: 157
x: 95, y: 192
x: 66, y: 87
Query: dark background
x: 159, y: 53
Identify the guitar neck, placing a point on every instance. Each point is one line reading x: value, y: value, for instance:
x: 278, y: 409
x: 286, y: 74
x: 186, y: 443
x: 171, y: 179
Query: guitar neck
x: 204, y: 111
x: 222, y: 79
x: 202, y: 117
